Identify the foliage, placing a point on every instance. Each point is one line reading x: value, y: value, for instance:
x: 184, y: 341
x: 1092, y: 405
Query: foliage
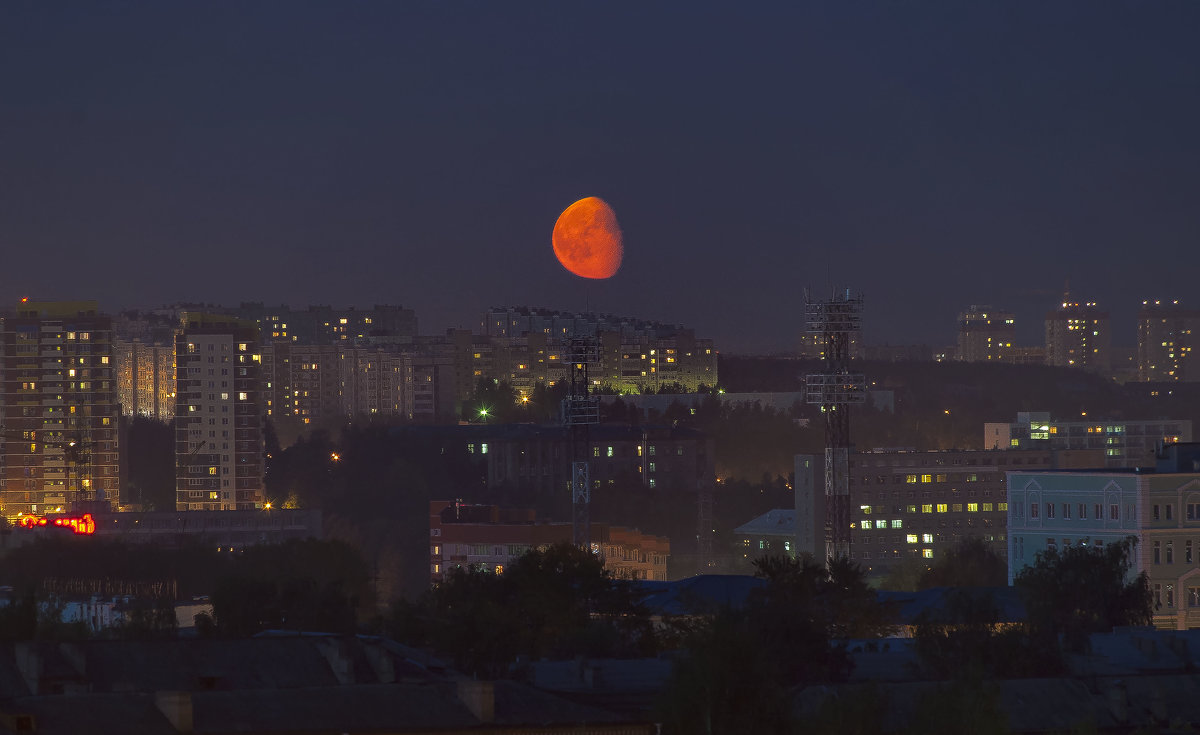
x: 147, y: 619
x: 556, y: 602
x: 740, y: 666
x: 149, y: 448
x: 299, y: 585
x: 970, y: 563
x: 1082, y: 590
x: 728, y: 683
x: 967, y: 641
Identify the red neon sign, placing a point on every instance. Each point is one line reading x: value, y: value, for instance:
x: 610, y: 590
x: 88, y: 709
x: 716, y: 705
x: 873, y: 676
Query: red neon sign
x: 82, y: 526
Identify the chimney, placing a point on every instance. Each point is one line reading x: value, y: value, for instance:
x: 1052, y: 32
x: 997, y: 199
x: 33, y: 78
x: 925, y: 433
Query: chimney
x: 177, y: 708
x: 479, y: 697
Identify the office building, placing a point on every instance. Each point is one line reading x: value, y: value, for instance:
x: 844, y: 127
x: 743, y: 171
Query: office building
x: 218, y: 411
x: 60, y: 410
x: 1111, y: 443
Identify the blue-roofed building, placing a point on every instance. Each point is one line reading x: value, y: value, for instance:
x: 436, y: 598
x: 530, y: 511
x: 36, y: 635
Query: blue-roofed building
x: 772, y: 533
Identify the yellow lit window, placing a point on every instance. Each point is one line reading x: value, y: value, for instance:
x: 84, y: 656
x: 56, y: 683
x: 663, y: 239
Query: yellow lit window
x: 987, y: 507
x: 942, y: 508
x: 927, y: 553
x: 927, y: 508
x: 972, y: 507
x: 911, y: 538
x: 926, y: 478
x: 910, y: 478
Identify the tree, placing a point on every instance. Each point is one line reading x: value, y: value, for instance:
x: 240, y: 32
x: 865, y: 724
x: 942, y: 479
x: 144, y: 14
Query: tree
x: 730, y: 682
x: 1084, y: 589
x: 555, y: 602
x: 969, y: 563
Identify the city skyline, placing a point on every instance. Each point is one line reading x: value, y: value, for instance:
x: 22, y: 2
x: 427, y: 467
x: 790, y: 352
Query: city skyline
x: 930, y: 158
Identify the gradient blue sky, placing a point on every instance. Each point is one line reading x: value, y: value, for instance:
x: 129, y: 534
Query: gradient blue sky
x: 929, y: 154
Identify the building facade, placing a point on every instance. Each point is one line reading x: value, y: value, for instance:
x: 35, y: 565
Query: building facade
x: 986, y: 334
x: 1159, y: 507
x: 219, y: 413
x: 1113, y: 443
x: 489, y: 538
x: 145, y: 378
x: 1078, y: 334
x: 909, y: 504
x: 60, y: 410
x: 1167, y: 334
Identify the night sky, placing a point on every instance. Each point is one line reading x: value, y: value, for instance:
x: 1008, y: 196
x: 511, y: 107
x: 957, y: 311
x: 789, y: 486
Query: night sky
x: 931, y: 155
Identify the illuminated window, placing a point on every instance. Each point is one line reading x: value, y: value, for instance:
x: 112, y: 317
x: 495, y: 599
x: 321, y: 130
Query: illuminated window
x: 926, y: 478
x: 943, y: 508
x: 927, y: 538
x: 865, y: 509
x: 927, y: 553
x: 972, y: 507
x: 897, y: 524
x: 610, y: 451
x: 927, y: 508
x: 911, y: 538
x: 910, y: 478
x: 880, y: 524
x: 483, y: 448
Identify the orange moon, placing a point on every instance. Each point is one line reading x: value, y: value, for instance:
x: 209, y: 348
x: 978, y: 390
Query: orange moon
x: 587, y: 239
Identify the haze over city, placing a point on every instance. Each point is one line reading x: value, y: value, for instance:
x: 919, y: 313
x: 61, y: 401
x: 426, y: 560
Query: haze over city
x: 931, y: 157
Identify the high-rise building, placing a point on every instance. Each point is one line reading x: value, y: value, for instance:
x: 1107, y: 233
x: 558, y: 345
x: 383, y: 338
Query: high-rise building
x: 1078, y: 335
x: 218, y: 414
x: 986, y: 335
x: 145, y: 378
x: 1167, y: 334
x: 60, y: 410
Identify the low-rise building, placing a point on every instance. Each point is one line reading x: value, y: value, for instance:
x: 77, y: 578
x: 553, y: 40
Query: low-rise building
x: 1158, y: 506
x: 490, y: 538
x: 1116, y: 443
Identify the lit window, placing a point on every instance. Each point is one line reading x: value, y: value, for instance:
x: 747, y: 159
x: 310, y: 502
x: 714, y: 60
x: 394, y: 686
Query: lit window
x: 911, y: 538
x: 897, y: 524
x: 972, y: 507
x: 927, y: 508
x: 927, y: 538
x: 927, y: 553
x: 943, y: 508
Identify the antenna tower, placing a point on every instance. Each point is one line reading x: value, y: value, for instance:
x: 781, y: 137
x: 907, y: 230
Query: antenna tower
x: 835, y: 390
x: 580, y: 410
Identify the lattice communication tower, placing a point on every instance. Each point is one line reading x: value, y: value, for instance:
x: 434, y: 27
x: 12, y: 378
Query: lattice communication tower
x: 580, y: 410
x: 834, y: 321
